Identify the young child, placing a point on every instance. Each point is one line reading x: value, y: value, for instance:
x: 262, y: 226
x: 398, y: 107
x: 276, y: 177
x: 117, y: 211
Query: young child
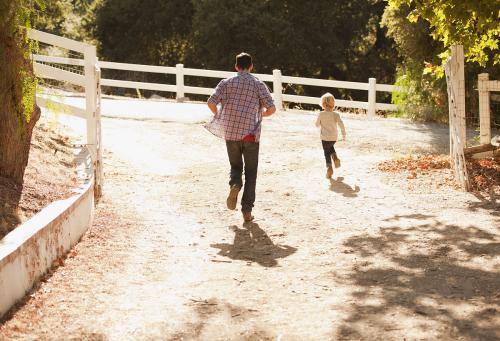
x: 328, y: 121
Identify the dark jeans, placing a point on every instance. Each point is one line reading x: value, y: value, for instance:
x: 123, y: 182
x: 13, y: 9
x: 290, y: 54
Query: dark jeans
x: 329, y: 150
x: 244, y: 155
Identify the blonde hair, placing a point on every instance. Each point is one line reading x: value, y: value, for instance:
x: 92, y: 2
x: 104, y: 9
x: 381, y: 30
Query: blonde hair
x: 327, y: 101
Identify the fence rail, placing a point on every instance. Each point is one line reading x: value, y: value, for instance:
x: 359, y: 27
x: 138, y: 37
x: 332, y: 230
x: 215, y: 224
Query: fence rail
x: 277, y: 79
x: 90, y: 80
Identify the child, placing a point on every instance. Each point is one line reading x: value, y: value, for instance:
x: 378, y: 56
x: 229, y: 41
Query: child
x: 328, y: 121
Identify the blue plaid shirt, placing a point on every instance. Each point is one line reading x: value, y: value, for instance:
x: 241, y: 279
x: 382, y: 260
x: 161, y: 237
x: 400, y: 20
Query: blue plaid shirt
x: 242, y: 99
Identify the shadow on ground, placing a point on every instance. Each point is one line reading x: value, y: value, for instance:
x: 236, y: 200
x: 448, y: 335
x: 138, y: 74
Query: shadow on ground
x: 487, y: 201
x: 203, y: 327
x: 251, y: 243
x: 437, y: 280
x: 339, y: 186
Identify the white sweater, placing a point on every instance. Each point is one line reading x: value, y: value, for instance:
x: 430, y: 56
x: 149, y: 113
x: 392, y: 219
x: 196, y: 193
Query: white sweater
x: 328, y: 121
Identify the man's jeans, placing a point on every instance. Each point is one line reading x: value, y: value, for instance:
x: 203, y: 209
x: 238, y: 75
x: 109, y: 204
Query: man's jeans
x: 244, y: 155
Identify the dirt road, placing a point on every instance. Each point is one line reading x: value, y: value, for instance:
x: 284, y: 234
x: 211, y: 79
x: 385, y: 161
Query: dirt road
x: 357, y: 258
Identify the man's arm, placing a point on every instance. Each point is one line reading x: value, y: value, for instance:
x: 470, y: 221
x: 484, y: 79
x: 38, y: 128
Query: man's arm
x: 266, y: 100
x: 216, y: 97
x: 213, y: 107
x: 269, y: 111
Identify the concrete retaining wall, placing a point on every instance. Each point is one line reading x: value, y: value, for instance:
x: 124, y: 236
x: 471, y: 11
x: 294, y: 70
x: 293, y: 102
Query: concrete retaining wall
x: 28, y: 251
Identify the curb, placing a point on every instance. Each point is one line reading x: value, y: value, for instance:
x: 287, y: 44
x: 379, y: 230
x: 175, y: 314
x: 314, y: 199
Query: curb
x: 28, y: 251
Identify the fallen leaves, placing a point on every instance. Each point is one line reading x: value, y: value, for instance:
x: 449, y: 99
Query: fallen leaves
x: 417, y: 163
x: 484, y: 174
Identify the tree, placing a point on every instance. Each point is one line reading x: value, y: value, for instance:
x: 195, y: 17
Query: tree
x: 145, y: 32
x: 423, y: 31
x: 475, y: 24
x: 18, y: 110
x: 424, y: 96
x: 73, y: 19
x: 319, y: 38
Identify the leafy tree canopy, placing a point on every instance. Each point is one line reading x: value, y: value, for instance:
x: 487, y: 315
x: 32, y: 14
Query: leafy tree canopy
x: 475, y: 24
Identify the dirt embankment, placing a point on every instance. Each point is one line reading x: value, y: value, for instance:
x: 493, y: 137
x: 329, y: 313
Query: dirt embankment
x: 50, y: 176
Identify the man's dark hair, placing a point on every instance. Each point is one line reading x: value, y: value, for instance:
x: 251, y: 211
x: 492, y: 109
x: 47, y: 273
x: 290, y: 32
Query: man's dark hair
x: 243, y: 61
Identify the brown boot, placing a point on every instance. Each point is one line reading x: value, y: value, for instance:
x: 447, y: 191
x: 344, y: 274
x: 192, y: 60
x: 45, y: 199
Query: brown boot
x: 337, y: 162
x: 232, y: 198
x: 329, y: 172
x: 247, y: 216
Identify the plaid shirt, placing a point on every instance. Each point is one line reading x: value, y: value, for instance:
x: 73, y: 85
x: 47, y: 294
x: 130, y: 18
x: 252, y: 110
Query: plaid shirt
x: 242, y: 98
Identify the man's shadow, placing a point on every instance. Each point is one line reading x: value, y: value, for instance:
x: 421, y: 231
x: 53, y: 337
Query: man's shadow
x: 341, y: 187
x: 251, y: 243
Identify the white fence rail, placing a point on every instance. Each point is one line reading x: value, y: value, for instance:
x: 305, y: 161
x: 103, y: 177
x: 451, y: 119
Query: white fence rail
x: 276, y: 78
x: 90, y: 80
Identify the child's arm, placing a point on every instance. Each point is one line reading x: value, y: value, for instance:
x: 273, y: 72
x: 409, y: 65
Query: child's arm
x: 341, y: 125
x: 318, y: 121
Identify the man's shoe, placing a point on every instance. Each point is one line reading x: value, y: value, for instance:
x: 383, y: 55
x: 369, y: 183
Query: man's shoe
x: 247, y: 216
x: 232, y: 198
x: 337, y: 162
x: 329, y: 172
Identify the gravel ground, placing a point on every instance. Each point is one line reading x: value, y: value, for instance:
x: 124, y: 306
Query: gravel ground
x: 364, y: 256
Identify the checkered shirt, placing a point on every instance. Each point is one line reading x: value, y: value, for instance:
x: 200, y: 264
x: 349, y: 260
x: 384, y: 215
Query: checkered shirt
x: 242, y: 98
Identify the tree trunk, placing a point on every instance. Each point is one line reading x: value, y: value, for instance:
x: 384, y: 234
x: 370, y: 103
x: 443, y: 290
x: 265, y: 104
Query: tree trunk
x: 15, y: 141
x: 18, y: 111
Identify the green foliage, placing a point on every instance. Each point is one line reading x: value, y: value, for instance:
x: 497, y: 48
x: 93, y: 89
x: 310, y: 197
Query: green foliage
x: 475, y: 24
x: 18, y: 83
x: 423, y: 97
x: 308, y: 38
x: 423, y: 31
x: 316, y: 39
x: 73, y: 19
x: 147, y: 32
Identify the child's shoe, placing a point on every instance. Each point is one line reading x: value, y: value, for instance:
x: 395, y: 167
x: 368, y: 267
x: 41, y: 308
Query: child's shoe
x: 329, y: 172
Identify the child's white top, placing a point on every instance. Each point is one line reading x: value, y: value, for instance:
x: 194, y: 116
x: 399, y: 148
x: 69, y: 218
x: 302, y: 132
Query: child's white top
x: 328, y: 121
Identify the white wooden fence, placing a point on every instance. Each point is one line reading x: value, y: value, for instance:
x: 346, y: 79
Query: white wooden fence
x: 90, y: 80
x: 455, y: 80
x: 276, y: 78
x: 485, y: 86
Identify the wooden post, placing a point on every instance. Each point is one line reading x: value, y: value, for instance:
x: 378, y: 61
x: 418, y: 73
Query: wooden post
x: 99, y: 164
x: 456, y: 102
x: 179, y: 80
x: 484, y: 108
x: 459, y: 51
x: 372, y: 97
x: 277, y: 89
x: 92, y: 104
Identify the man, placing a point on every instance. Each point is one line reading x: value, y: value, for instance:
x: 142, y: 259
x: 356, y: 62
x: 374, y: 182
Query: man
x: 243, y: 99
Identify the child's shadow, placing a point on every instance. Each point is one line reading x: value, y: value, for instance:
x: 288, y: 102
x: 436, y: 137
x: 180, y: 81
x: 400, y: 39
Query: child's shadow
x: 251, y: 243
x: 341, y: 187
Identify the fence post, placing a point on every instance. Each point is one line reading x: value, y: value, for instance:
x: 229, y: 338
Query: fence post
x: 179, y: 80
x: 484, y: 108
x: 91, y: 93
x: 461, y: 94
x: 454, y: 71
x: 277, y: 89
x: 99, y: 168
x: 372, y: 97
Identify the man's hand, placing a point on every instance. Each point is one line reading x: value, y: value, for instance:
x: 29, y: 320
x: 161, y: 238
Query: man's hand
x: 212, y: 107
x: 269, y: 111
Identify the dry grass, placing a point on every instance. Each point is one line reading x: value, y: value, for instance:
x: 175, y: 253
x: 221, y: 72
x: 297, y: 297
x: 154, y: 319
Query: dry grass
x: 49, y: 176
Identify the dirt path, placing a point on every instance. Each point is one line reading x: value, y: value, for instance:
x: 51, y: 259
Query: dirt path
x: 355, y: 258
